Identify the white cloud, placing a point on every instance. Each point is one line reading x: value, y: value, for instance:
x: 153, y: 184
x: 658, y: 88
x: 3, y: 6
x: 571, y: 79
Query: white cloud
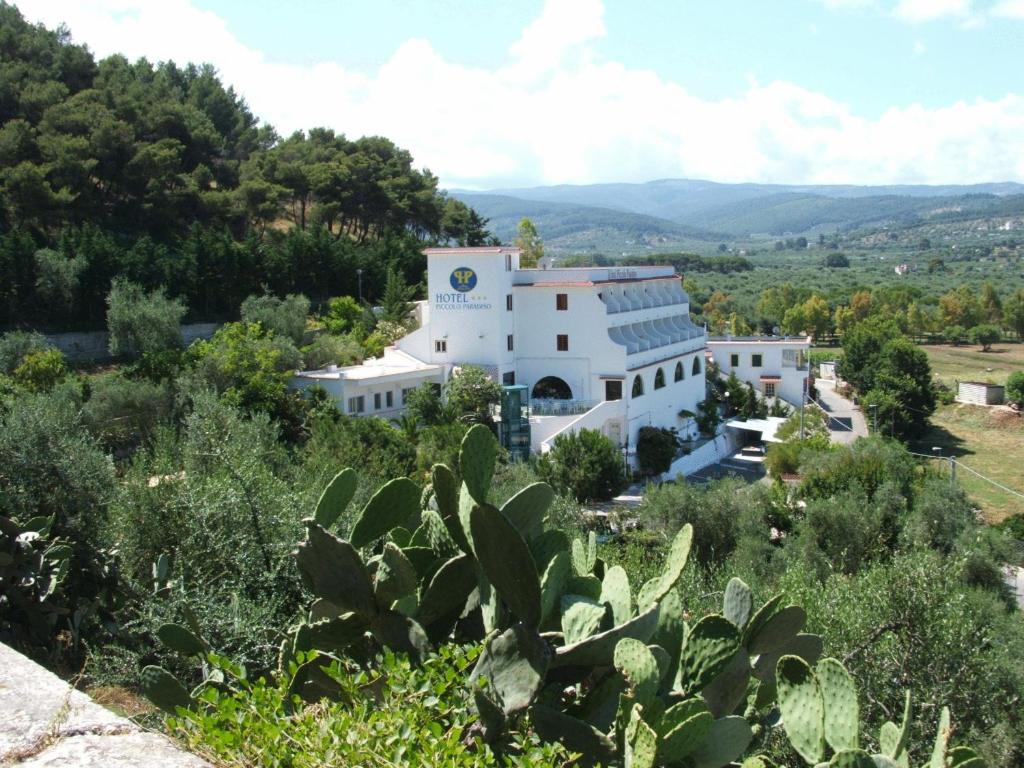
x: 927, y: 10
x: 555, y: 112
x: 1011, y: 9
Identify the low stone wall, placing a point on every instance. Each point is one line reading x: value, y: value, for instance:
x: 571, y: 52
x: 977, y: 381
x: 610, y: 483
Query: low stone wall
x: 91, y: 346
x: 711, y: 452
x: 45, y: 722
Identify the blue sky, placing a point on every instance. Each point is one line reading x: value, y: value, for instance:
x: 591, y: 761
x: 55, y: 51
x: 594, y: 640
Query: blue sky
x: 576, y: 91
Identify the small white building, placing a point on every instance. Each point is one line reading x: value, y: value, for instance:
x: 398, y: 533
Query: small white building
x: 980, y: 393
x: 605, y: 348
x: 378, y: 387
x: 775, y: 366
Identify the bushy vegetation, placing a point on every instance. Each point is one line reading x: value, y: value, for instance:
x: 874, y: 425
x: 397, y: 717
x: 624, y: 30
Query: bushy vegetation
x: 585, y: 465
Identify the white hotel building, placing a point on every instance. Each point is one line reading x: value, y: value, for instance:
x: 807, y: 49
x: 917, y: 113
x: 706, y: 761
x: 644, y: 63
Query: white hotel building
x: 604, y: 348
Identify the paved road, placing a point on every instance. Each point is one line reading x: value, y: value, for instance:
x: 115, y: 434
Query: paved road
x: 846, y: 422
x: 749, y: 469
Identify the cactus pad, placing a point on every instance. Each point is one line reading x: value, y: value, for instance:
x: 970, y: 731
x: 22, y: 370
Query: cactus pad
x: 727, y: 739
x: 577, y: 736
x: 581, y: 618
x: 400, y: 633
x: 839, y: 694
x: 333, y: 570
x: 552, y: 584
x: 641, y: 743
x: 682, y: 729
x: 182, y: 640
x: 802, y: 707
x: 394, y: 504
x: 599, y: 649
x: 941, y: 740
x: 446, y: 495
x: 395, y: 578
x: 334, y: 635
x: 514, y: 664
x: 675, y: 562
x: 637, y: 665
x: 738, y: 603
x: 547, y: 545
x: 761, y: 615
x: 851, y: 758
x: 729, y: 689
x: 476, y: 461
x: 615, y: 594
x: 506, y: 560
x: 164, y: 690
x: 528, y: 508
x: 448, y: 590
x: 707, y: 650
x: 335, y: 498
x: 777, y: 630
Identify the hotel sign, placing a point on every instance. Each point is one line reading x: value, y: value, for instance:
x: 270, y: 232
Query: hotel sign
x: 463, y: 280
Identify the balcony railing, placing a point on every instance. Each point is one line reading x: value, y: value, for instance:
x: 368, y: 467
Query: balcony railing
x: 555, y: 407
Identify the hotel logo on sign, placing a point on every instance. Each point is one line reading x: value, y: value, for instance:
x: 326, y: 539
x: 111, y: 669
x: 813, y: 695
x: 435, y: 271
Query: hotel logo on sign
x: 463, y: 279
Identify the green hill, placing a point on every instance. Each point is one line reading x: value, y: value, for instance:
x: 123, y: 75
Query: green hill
x: 568, y: 227
x: 746, y: 209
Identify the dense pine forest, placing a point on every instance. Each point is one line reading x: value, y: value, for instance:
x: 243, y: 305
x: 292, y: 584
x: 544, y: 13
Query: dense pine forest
x: 161, y: 174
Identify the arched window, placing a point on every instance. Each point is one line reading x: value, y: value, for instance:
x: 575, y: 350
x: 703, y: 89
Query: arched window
x: 551, y: 388
x: 680, y: 373
x: 638, y: 386
x: 696, y: 366
x: 659, y: 379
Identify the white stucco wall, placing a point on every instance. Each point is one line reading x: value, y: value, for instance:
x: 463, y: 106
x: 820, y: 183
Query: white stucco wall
x: 791, y: 386
x: 591, y: 352
x: 473, y: 323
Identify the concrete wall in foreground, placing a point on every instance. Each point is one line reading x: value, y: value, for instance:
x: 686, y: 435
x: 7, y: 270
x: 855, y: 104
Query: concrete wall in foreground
x: 45, y: 722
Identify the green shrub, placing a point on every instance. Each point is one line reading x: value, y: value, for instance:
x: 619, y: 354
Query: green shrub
x: 218, y: 503
x: 248, y: 366
x: 867, y: 463
x: 285, y: 318
x: 1015, y: 388
x: 655, y: 450
x: 124, y: 413
x: 940, y: 514
x: 912, y: 625
x: 142, y: 323
x: 585, y: 464
x: 389, y: 715
x: 51, y: 469
x: 15, y: 345
x: 40, y: 370
x: 713, y: 511
x: 327, y: 349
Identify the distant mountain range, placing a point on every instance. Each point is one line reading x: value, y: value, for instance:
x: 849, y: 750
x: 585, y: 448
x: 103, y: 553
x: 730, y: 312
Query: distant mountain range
x: 670, y: 213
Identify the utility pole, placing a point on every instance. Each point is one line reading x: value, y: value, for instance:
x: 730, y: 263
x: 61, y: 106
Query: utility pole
x: 952, y: 472
x: 803, y: 400
x: 874, y: 417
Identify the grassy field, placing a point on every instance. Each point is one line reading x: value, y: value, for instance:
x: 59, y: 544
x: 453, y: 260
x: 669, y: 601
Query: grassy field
x: 969, y: 363
x: 989, y: 441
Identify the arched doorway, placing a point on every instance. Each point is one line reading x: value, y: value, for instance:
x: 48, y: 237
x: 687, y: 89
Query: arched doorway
x: 551, y: 388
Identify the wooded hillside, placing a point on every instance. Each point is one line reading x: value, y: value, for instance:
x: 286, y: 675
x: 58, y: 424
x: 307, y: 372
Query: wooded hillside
x: 161, y: 173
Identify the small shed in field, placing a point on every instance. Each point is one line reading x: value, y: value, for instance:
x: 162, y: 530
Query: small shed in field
x: 827, y: 370
x: 979, y: 393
